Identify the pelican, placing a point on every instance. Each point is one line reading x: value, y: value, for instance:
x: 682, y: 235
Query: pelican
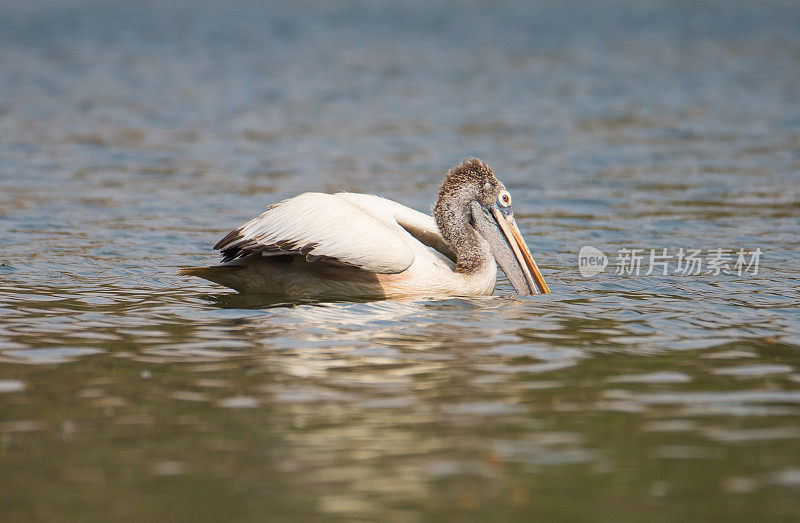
x: 349, y: 245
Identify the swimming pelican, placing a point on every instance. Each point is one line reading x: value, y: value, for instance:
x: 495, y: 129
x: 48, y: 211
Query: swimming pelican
x: 349, y: 245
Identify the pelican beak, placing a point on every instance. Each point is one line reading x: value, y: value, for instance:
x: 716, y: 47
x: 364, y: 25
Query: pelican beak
x: 534, y: 281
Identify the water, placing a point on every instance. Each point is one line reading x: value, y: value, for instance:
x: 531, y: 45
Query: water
x: 133, y: 136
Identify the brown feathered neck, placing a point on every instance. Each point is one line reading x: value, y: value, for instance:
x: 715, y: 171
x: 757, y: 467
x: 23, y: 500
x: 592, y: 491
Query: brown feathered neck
x: 466, y: 182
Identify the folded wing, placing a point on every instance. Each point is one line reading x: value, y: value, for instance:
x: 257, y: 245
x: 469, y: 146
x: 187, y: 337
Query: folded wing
x: 323, y: 228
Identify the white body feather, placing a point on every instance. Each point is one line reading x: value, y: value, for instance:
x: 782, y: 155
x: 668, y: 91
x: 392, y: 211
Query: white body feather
x: 343, y: 245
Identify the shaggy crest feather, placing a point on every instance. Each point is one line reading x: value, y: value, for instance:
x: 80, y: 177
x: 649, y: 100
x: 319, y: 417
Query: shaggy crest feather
x: 469, y: 171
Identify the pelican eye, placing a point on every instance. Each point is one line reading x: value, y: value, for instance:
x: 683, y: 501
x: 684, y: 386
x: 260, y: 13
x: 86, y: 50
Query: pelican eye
x: 504, y: 199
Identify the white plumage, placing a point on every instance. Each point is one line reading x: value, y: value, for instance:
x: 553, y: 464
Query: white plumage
x: 341, y: 245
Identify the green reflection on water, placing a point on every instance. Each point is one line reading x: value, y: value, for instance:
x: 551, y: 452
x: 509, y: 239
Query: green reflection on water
x: 366, y: 418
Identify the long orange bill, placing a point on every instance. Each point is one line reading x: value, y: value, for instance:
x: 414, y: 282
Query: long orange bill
x: 521, y: 252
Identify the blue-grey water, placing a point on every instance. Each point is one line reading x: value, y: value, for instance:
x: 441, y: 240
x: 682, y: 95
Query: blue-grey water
x: 133, y: 135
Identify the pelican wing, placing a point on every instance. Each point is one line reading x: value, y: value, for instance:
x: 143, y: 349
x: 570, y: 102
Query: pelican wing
x: 421, y: 226
x: 323, y: 227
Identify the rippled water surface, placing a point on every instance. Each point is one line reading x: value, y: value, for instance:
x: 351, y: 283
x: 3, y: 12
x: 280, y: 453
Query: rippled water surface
x: 132, y: 136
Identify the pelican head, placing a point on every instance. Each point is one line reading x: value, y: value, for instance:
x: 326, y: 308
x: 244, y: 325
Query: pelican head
x: 473, y: 202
